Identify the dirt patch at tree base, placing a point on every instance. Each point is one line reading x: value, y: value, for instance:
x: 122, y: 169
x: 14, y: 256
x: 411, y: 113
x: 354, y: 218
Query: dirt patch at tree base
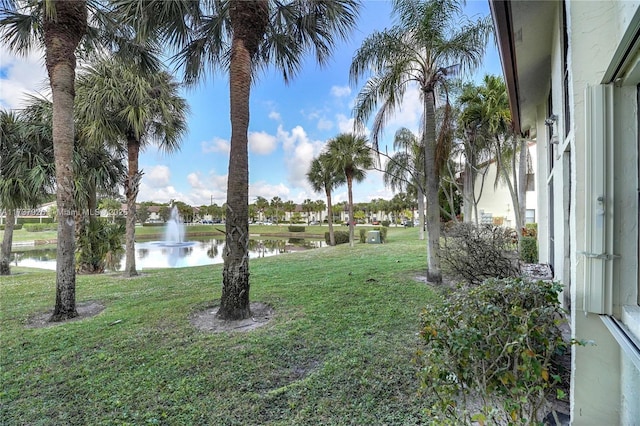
x: 85, y: 310
x: 206, y: 320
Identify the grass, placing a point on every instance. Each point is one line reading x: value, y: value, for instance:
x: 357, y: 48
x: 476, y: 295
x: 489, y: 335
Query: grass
x: 338, y: 351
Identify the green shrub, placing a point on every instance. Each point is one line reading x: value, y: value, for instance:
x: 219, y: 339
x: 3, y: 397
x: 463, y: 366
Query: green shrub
x: 99, y: 245
x: 39, y: 227
x: 385, y: 223
x: 363, y: 235
x: 294, y: 228
x: 15, y: 227
x: 530, y: 230
x: 341, y: 237
x: 383, y: 232
x: 529, y: 249
x: 489, y: 352
x: 154, y: 224
x: 24, y: 220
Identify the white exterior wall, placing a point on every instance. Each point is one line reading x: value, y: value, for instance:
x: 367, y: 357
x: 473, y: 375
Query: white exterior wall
x: 605, y: 386
x: 497, y: 200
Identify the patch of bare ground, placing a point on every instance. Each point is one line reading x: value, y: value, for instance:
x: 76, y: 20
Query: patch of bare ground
x: 85, y: 310
x: 206, y: 320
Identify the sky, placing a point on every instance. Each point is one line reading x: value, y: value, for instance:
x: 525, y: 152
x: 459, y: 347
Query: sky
x: 289, y: 124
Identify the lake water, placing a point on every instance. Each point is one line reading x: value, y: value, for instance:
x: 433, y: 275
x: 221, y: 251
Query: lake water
x: 159, y: 254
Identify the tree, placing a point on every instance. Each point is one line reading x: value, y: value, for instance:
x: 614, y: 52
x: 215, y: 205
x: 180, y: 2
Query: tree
x: 26, y: 172
x: 427, y: 45
x: 405, y: 169
x: 125, y: 107
x: 262, y: 204
x: 289, y: 207
x: 323, y: 177
x: 241, y: 37
x: 96, y: 168
x: 59, y: 27
x: 276, y: 204
x: 350, y: 154
x: 308, y: 206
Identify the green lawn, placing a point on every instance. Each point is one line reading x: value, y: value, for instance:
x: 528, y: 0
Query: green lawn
x: 338, y: 351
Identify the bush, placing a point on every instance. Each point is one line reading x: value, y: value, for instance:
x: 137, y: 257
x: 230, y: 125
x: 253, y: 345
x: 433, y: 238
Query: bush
x: 529, y: 249
x: 385, y: 223
x: 294, y: 228
x: 341, y: 237
x: 383, y: 233
x: 363, y: 235
x: 489, y: 353
x: 475, y: 253
x: 25, y: 220
x: 39, y: 227
x: 153, y: 224
x: 15, y: 227
x: 530, y: 230
x: 99, y: 245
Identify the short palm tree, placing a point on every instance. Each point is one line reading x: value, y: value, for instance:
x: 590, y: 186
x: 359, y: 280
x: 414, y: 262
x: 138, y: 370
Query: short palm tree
x: 122, y: 106
x: 426, y: 46
x: 349, y: 154
x: 405, y: 169
x: 26, y: 172
x: 323, y: 177
x: 240, y: 37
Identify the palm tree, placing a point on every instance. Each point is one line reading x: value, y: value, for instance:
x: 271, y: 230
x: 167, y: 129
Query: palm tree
x: 405, y: 169
x: 59, y: 27
x: 26, y: 171
x: 427, y: 45
x: 122, y: 106
x: 96, y: 168
x: 350, y: 154
x: 308, y: 206
x: 240, y: 37
x: 323, y: 177
x: 276, y: 204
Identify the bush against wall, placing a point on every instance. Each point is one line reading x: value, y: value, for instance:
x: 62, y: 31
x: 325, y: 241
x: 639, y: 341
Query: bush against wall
x: 383, y: 232
x: 489, y: 352
x: 476, y: 253
x: 363, y: 235
x: 529, y: 249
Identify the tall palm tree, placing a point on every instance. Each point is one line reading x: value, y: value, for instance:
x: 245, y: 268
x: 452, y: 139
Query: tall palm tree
x: 26, y: 172
x: 59, y: 27
x: 427, y: 45
x: 405, y: 169
x: 323, y: 177
x: 350, y: 154
x: 122, y: 106
x: 240, y: 37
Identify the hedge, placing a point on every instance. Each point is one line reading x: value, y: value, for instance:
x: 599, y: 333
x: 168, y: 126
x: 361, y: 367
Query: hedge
x: 15, y: 227
x: 342, y: 237
x: 294, y: 228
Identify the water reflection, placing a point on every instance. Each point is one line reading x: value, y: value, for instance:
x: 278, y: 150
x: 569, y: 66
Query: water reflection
x: 158, y: 254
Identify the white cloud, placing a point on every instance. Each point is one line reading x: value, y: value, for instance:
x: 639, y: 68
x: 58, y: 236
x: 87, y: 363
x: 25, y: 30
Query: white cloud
x: 267, y: 190
x: 340, y: 91
x: 262, y: 143
x: 22, y: 75
x: 157, y: 176
x: 324, y: 124
x: 299, y: 151
x: 215, y: 145
x: 274, y: 115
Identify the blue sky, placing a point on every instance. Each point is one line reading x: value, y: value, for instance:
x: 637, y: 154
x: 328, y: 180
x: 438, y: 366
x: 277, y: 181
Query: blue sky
x: 289, y: 124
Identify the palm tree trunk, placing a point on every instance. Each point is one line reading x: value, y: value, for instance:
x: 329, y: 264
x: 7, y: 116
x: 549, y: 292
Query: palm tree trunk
x: 234, y: 303
x: 62, y: 34
x: 7, y: 240
x: 351, y: 221
x: 332, y: 237
x: 421, y: 213
x: 434, y: 273
x: 131, y: 186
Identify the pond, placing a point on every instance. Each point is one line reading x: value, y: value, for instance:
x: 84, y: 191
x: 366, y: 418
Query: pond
x: 161, y: 254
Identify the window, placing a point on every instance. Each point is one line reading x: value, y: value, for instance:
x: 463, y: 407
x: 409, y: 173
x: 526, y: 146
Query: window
x: 530, y: 216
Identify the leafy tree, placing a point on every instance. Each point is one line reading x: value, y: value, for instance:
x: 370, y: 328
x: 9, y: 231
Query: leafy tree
x: 427, y: 45
x: 405, y: 169
x: 241, y: 37
x: 127, y: 108
x: 142, y: 213
x: 350, y: 154
x: 164, y: 213
x: 289, y: 207
x: 323, y: 177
